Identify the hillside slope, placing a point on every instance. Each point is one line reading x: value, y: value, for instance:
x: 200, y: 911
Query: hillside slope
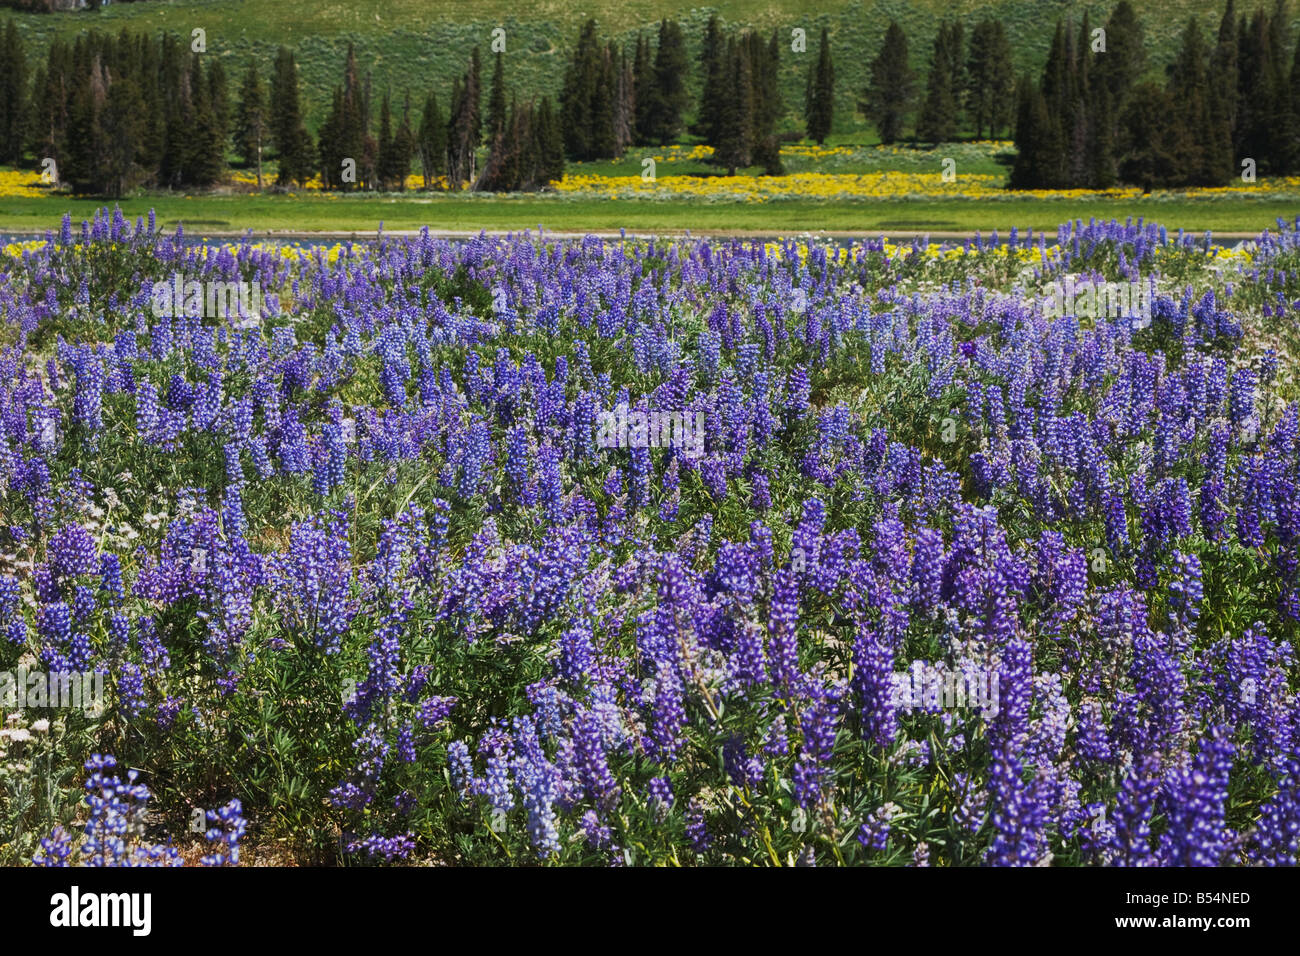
x: 411, y: 44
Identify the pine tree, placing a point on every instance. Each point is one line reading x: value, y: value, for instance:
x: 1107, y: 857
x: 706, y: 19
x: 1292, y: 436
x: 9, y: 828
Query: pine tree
x: 207, y: 154
x: 465, y: 131
x: 251, y: 120
x: 669, y: 97
x: 403, y: 145
x: 386, y: 164
x: 604, y: 117
x: 500, y: 172
x: 643, y: 79
x: 549, y: 145
x: 79, y: 165
x: 1189, y: 91
x: 496, y: 110
x: 150, y: 138
x: 713, y: 76
x: 1080, y: 137
x: 587, y: 101
x: 736, y: 114
x: 990, y: 83
x: 48, y: 114
x: 1124, y: 61
x: 13, y: 95
x: 819, y: 98
x: 501, y: 169
x: 1031, y: 119
x: 1153, y: 139
x: 289, y: 134
x: 1295, y: 92
x: 344, y: 137
x: 764, y: 62
x: 174, y: 99
x: 938, y: 120
x: 431, y: 142
x: 624, y: 100
x: 218, y: 99
x: 121, y: 121
x: 1058, y: 91
x: 1255, y: 114
x: 1101, y: 159
x: 1223, y: 95
x: 1284, y: 138
x: 889, y: 96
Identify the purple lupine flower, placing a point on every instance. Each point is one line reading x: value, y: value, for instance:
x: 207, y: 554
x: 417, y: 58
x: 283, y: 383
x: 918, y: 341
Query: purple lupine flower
x: 1196, y: 834
x: 874, y: 687
x: 783, y: 647
x: 812, y: 773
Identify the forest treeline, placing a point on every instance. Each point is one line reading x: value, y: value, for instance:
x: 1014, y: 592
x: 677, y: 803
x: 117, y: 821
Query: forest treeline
x: 118, y: 112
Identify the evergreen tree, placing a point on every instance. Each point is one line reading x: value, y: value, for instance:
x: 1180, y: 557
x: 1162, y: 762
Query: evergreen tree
x: 668, y: 98
x: 465, y: 131
x: 122, y: 119
x: 84, y: 146
x: 1077, y: 128
x: 431, y: 142
x: 604, y: 116
x: 13, y: 95
x: 713, y: 74
x: 1189, y: 91
x: 990, y: 84
x: 819, y: 98
x: 387, y: 162
x: 1284, y: 138
x: 496, y: 111
x: 1255, y: 114
x: 403, y: 145
x: 528, y: 154
x: 218, y: 134
x: 548, y: 145
x: 764, y: 60
x: 1101, y: 158
x: 501, y: 170
x: 174, y: 95
x: 889, y: 96
x: 49, y: 113
x: 288, y: 132
x: 1152, y: 138
x: 1223, y: 94
x: 736, y: 114
x: 219, y: 99
x: 344, y: 138
x: 327, y: 143
x: 1295, y: 93
x: 151, y: 135
x: 1058, y: 87
x: 956, y: 67
x: 624, y: 100
x: 938, y: 120
x: 587, y: 101
x: 206, y: 158
x: 251, y: 120
x: 643, y: 79
x: 1033, y: 131
x: 1124, y: 61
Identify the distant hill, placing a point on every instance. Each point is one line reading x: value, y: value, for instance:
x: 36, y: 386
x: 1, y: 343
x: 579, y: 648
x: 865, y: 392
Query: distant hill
x: 418, y: 45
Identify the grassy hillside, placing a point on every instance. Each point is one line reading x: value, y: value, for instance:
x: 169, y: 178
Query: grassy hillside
x: 416, y: 45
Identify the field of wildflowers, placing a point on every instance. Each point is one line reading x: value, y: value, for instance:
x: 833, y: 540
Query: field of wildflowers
x: 366, y: 578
